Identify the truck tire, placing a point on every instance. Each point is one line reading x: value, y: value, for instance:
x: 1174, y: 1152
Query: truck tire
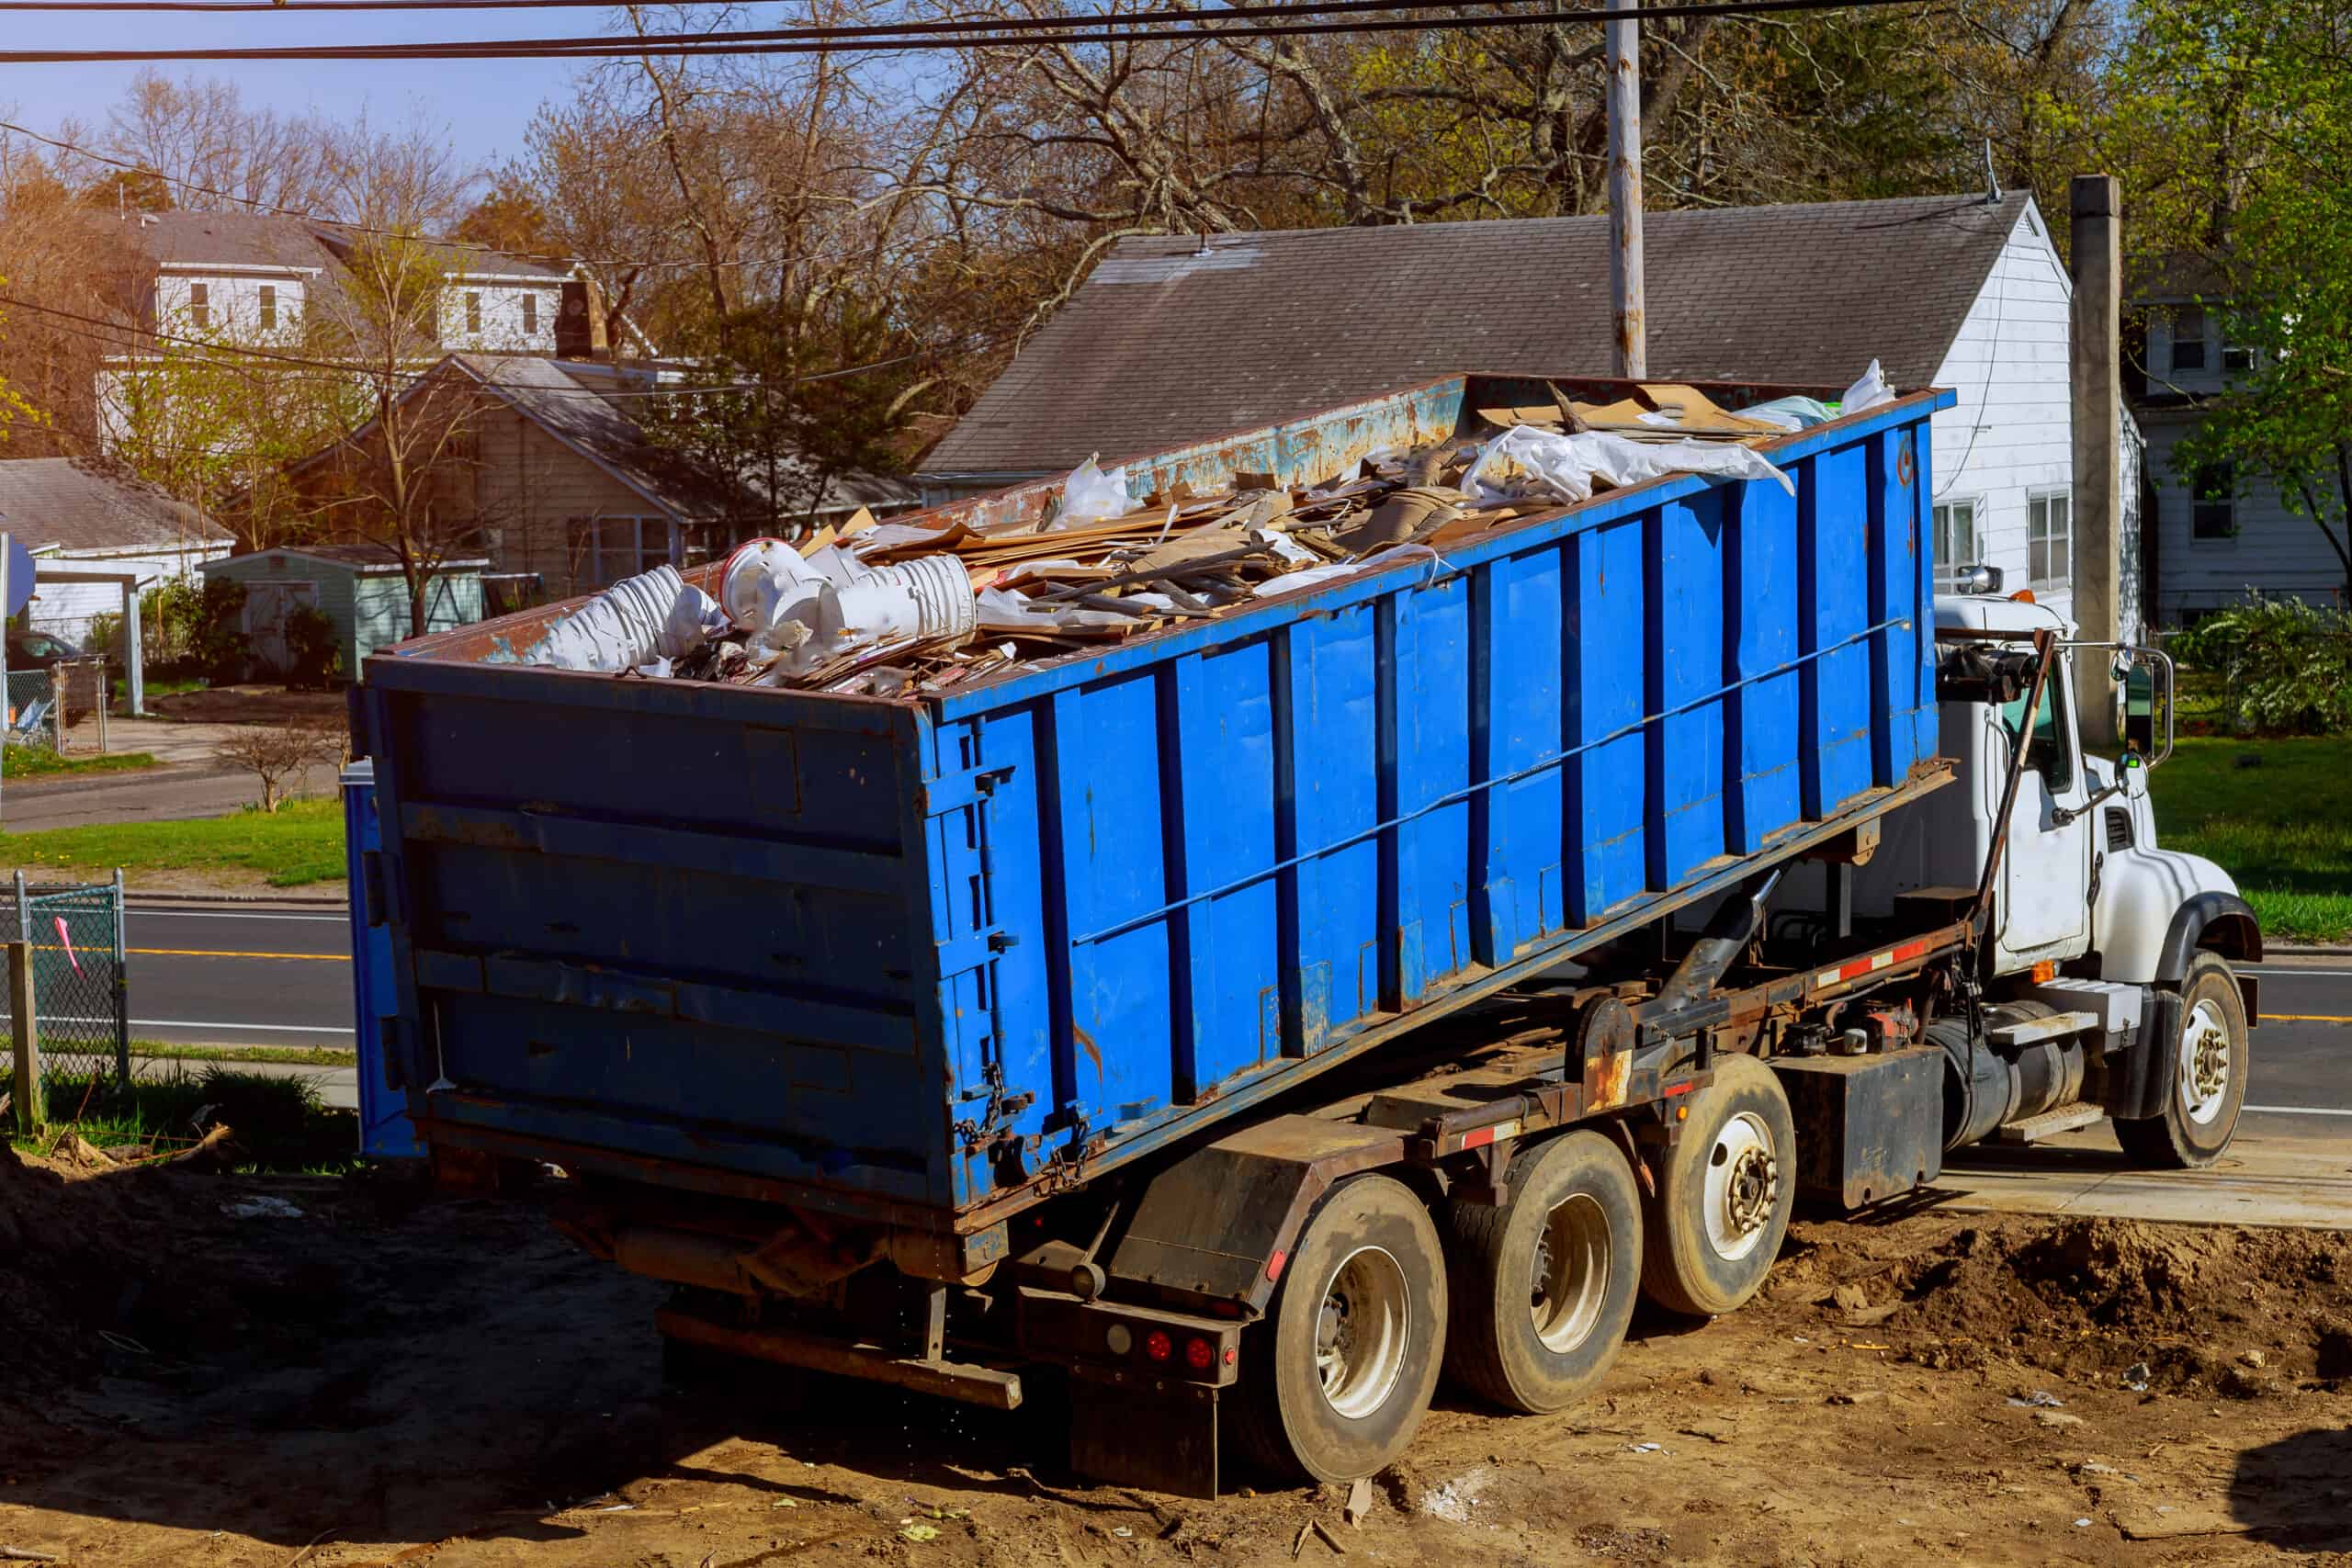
x: 1724, y: 1198
x: 1336, y: 1380
x: 2209, y: 1071
x: 1543, y: 1286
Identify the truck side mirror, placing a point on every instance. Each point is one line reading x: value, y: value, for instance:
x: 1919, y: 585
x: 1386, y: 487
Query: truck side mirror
x: 2140, y: 709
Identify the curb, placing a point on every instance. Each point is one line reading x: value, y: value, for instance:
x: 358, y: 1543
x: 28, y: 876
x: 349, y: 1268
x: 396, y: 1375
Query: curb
x: 137, y: 899
x: 2298, y: 949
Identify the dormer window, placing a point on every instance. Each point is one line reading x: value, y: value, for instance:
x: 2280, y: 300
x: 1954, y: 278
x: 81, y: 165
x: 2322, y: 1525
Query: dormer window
x: 530, y: 314
x: 199, y: 304
x: 269, y: 307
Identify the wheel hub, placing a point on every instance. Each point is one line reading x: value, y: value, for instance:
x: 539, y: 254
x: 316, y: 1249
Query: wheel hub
x: 1743, y: 1187
x: 1361, y: 1331
x: 2204, y: 1062
x: 1754, y: 1188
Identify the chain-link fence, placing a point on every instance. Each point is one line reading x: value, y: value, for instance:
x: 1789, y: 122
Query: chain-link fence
x: 35, y: 716
x: 80, y: 997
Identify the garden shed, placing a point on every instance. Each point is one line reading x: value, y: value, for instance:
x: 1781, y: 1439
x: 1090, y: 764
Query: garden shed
x: 359, y: 588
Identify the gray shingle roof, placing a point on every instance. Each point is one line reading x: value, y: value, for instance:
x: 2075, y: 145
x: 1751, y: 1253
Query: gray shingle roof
x: 1166, y: 345
x: 230, y: 240
x: 82, y: 506
x: 571, y: 411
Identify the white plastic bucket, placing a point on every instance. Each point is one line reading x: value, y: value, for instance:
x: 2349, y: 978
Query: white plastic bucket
x: 942, y: 595
x: 762, y: 575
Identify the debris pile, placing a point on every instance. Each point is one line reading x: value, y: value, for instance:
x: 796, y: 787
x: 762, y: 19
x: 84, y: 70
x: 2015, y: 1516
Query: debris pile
x: 885, y: 609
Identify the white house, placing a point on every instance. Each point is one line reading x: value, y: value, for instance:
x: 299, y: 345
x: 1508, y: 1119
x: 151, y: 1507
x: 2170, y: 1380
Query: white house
x: 94, y: 517
x: 2214, y: 534
x: 1179, y: 339
x: 256, y: 280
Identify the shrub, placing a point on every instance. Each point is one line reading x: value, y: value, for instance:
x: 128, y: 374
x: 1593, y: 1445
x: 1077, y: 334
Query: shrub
x: 217, y: 641
x: 2283, y: 667
x: 312, y: 651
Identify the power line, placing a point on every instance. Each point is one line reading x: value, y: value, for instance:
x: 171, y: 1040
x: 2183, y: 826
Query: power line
x: 340, y: 225
x: 894, y: 36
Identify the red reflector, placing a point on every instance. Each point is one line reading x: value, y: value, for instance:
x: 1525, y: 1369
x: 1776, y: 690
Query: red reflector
x: 1683, y: 1087
x: 1231, y: 1355
x: 1275, y: 1264
x: 1199, y: 1354
x: 1479, y: 1138
x: 1158, y: 1346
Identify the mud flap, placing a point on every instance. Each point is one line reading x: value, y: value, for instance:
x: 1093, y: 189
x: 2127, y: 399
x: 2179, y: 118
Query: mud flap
x: 1131, y: 1430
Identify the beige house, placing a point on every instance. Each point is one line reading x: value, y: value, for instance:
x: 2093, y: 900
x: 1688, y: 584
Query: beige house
x: 542, y: 470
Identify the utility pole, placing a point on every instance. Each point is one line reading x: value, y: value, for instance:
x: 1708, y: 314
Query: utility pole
x: 1625, y: 289
x: 2097, y: 374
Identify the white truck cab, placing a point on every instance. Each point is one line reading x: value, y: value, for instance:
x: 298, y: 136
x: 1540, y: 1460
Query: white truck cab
x: 2102, y: 949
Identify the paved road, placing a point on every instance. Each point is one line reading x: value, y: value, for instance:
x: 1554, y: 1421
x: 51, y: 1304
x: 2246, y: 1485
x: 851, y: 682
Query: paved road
x: 236, y: 976
x: 2301, y: 1082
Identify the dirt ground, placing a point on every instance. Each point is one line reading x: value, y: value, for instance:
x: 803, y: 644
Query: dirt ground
x: 375, y: 1378
x: 259, y: 704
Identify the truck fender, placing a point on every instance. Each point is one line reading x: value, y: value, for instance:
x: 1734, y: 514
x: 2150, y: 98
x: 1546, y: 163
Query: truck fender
x: 2220, y: 923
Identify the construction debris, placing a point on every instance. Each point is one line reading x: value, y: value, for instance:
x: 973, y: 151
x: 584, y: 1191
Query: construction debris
x: 886, y: 610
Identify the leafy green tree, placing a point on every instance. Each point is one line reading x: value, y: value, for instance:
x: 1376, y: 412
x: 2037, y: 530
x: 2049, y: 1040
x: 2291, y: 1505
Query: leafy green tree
x: 790, y: 395
x: 2246, y: 109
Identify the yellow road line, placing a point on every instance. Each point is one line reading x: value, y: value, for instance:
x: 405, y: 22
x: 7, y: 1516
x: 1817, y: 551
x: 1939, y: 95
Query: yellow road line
x: 2270, y: 1017
x: 206, y: 953
x: 210, y: 953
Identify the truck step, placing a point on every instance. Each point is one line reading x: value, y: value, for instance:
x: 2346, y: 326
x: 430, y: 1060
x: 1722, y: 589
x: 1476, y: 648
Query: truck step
x: 2050, y: 1123
x: 2057, y: 1026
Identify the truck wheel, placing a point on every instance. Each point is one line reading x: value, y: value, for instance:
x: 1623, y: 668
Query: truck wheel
x: 1724, y: 1198
x: 1543, y: 1286
x: 2208, y: 1080
x: 1339, y: 1373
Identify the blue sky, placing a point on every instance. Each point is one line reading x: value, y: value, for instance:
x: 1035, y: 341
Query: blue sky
x: 485, y: 105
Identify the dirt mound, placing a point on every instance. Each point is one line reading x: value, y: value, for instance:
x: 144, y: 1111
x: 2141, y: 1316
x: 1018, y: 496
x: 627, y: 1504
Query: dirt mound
x: 2243, y: 1312
x: 141, y: 1263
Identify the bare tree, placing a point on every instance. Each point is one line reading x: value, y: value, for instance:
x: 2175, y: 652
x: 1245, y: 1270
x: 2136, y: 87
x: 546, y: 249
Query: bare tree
x: 280, y: 755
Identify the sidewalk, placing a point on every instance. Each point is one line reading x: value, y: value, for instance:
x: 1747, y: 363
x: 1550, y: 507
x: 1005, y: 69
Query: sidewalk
x: 2266, y: 1179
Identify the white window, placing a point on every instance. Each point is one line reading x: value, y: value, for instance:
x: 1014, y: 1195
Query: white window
x: 2189, y: 337
x: 2214, y: 501
x: 609, y: 548
x: 530, y: 314
x: 2235, y: 355
x: 473, y: 312
x: 1960, y: 539
x: 199, y: 304
x: 269, y: 307
x: 2050, y: 541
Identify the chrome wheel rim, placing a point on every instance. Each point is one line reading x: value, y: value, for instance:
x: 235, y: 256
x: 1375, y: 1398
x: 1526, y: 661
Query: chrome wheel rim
x: 1360, y: 1332
x: 1571, y: 1273
x: 2204, y: 1063
x: 1743, y: 1187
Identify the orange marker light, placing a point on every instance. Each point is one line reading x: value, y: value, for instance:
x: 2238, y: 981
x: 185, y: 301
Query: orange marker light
x: 2047, y: 970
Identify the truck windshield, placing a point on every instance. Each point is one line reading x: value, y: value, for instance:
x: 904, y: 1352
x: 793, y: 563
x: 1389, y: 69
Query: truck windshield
x: 2046, y: 752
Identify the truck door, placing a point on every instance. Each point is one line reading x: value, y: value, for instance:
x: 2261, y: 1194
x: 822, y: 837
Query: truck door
x: 2045, y: 877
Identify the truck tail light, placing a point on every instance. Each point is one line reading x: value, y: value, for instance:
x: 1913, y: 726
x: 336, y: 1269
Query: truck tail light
x: 1157, y: 1347
x: 1199, y: 1354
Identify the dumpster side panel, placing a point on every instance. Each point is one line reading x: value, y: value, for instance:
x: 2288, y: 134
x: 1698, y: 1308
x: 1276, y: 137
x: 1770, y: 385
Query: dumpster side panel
x: 1302, y: 822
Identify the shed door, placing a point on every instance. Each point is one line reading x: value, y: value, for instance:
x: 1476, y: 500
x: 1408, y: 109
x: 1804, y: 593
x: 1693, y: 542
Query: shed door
x: 267, y: 605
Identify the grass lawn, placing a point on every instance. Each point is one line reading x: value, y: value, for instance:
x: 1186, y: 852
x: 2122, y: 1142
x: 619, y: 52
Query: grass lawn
x: 2276, y: 814
x: 291, y: 1056
x: 40, y: 763
x: 278, y: 1122
x: 301, y: 843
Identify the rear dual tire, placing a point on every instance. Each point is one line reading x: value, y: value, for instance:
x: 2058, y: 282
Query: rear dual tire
x: 1543, y: 1285
x: 1339, y: 1374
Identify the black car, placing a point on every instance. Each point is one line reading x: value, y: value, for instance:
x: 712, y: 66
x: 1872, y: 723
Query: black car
x: 39, y: 650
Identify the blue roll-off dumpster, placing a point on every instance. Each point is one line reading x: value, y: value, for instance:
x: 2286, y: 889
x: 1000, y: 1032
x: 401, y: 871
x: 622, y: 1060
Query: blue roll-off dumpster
x: 926, y: 960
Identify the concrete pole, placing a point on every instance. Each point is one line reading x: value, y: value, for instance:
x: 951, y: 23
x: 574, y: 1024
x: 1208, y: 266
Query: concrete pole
x: 1628, y: 310
x: 2097, y: 363
x: 134, y: 657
